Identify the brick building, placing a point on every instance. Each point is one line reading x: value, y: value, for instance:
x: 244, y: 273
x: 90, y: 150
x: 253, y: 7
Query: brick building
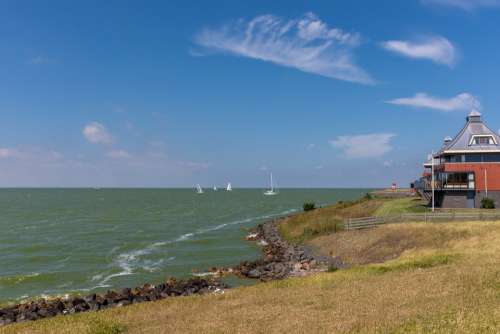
x: 466, y: 168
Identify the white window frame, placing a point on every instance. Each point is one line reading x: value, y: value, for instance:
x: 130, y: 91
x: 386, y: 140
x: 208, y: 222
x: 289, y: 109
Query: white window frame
x: 472, y: 140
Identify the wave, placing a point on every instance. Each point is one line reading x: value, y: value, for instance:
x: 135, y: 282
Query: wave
x: 14, y: 280
x: 131, y: 261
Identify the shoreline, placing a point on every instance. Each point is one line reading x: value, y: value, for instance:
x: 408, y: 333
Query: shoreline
x: 278, y: 260
x: 46, y: 308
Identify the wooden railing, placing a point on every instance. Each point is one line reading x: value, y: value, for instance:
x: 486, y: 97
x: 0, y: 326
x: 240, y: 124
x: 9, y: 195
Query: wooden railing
x: 426, y: 217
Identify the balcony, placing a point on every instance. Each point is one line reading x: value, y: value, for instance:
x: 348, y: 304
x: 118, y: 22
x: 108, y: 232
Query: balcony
x: 451, y: 181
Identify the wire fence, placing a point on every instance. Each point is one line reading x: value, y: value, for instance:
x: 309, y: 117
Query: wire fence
x: 426, y: 217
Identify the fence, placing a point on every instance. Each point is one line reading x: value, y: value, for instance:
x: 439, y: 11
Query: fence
x: 427, y: 217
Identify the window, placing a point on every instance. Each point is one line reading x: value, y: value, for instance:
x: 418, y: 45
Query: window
x: 482, y: 140
x: 455, y: 158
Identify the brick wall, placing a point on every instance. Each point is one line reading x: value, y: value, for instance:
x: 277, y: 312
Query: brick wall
x: 493, y: 173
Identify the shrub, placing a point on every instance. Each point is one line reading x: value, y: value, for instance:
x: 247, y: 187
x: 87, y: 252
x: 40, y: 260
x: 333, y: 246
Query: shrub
x: 368, y: 196
x: 332, y: 268
x: 309, y: 206
x: 487, y: 203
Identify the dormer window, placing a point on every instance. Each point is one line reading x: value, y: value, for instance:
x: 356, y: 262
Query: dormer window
x: 482, y: 140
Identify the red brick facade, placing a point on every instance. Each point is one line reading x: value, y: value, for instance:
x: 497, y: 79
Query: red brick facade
x: 492, y: 173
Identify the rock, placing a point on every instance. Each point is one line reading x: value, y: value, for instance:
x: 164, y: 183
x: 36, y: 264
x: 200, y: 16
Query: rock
x: 254, y: 273
x: 279, y: 259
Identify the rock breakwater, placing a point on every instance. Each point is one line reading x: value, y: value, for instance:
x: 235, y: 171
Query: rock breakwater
x: 45, y: 308
x: 281, y: 259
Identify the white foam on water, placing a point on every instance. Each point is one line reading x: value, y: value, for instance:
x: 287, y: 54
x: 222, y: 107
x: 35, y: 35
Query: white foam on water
x: 96, y: 277
x: 130, y: 261
x: 185, y: 236
x: 203, y: 274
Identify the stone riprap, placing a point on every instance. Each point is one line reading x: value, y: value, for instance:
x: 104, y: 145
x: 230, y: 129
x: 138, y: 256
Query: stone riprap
x: 281, y: 259
x: 45, y: 308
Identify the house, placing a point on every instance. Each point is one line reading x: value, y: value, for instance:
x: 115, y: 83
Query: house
x: 466, y: 168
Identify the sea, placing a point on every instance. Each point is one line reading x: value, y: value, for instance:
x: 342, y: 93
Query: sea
x: 55, y: 242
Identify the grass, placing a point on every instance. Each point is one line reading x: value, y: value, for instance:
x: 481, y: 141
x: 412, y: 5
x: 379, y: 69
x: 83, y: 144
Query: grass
x: 387, y: 242
x: 452, y: 286
x: 312, y: 224
x: 105, y: 327
x: 415, y: 263
x: 399, y: 206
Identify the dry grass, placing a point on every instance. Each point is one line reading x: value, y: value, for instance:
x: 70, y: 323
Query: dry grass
x: 452, y: 288
x: 387, y: 242
x: 308, y: 225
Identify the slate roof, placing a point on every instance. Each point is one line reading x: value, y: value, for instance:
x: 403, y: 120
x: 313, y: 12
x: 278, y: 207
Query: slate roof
x: 473, y: 127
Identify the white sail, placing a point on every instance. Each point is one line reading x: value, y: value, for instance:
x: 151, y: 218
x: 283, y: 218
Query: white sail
x: 199, y: 190
x: 271, y: 191
x: 229, y: 188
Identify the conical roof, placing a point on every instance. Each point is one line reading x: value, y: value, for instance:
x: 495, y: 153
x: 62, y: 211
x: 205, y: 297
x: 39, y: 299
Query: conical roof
x: 466, y: 140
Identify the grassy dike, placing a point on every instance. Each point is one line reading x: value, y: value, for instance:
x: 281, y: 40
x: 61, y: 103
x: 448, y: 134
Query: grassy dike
x: 424, y: 278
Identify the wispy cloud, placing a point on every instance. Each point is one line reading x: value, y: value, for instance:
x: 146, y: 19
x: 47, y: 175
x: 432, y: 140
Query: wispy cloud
x: 30, y: 153
x: 364, y: 146
x: 8, y: 152
x: 437, y: 49
x: 97, y: 133
x: 464, y: 4
x: 388, y: 163
x: 461, y: 102
x: 194, y: 164
x: 39, y: 60
x: 118, y: 154
x: 307, y: 44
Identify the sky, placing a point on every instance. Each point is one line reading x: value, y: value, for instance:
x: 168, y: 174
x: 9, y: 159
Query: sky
x: 330, y: 93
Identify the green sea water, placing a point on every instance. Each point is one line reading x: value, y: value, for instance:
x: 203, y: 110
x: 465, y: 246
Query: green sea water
x: 59, y: 241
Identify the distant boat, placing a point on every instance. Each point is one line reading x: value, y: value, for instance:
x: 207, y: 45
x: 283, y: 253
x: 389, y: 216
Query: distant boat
x: 271, y: 191
x: 199, y: 190
x: 229, y: 188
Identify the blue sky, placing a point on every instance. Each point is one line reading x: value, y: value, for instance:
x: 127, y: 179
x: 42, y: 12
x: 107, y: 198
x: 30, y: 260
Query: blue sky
x: 158, y: 94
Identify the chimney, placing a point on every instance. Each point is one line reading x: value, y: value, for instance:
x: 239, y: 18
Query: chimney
x: 474, y: 116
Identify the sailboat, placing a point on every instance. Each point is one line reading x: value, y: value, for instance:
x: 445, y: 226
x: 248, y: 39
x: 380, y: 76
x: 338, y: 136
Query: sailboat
x: 199, y: 190
x: 229, y: 188
x: 271, y: 191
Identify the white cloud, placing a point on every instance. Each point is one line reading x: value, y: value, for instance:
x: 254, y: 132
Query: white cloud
x: 310, y: 147
x: 307, y: 44
x: 461, y: 102
x: 194, y: 164
x: 118, y: 154
x: 364, y: 146
x: 97, y: 133
x: 464, y: 4
x: 437, y: 49
x: 8, y: 153
x: 30, y: 153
